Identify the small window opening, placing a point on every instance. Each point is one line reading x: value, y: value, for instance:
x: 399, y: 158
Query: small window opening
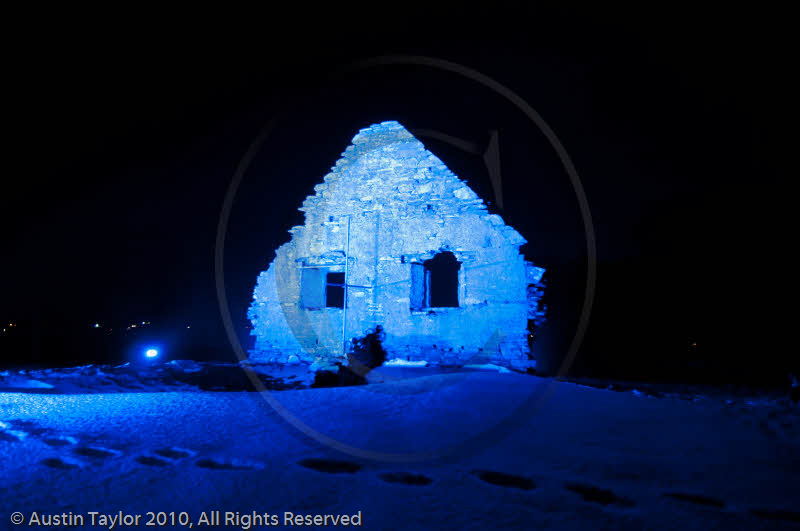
x: 320, y: 288
x: 334, y: 290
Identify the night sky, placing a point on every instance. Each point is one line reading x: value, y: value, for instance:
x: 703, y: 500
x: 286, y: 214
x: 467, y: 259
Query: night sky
x: 123, y: 144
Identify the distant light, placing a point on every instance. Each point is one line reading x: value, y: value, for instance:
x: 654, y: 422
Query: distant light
x: 97, y: 325
x: 142, y: 322
x: 133, y: 326
x: 151, y: 353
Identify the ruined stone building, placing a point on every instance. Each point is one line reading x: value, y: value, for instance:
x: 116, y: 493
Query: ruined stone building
x: 393, y: 238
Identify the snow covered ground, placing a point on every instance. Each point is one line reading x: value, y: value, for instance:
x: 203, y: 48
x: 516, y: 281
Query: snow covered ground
x: 460, y: 450
x: 175, y: 375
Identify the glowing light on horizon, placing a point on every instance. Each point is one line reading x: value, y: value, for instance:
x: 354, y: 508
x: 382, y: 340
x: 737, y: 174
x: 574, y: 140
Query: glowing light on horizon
x: 151, y: 353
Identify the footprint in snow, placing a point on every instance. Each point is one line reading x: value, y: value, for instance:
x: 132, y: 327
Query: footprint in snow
x: 95, y: 452
x: 9, y: 434
x: 214, y: 464
x: 23, y: 429
x: 164, y: 456
x: 502, y: 479
x: 696, y: 499
x: 599, y: 495
x: 174, y: 453
x: 330, y: 466
x: 57, y: 462
x: 12, y: 435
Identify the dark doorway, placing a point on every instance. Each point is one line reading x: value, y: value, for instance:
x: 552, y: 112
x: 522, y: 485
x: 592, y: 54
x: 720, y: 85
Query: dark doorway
x: 442, y: 280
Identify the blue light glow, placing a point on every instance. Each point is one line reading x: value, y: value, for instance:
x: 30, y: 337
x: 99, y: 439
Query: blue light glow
x: 151, y: 353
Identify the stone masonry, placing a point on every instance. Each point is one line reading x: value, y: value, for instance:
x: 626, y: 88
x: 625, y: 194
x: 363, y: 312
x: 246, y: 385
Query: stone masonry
x: 387, y: 208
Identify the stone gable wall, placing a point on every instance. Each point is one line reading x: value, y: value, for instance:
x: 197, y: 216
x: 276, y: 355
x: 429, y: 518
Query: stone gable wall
x: 402, y: 205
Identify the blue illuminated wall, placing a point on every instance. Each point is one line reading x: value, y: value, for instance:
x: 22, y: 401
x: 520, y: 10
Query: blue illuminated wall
x: 396, y: 205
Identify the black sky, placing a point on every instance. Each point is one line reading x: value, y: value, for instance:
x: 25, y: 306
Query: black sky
x: 124, y: 143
